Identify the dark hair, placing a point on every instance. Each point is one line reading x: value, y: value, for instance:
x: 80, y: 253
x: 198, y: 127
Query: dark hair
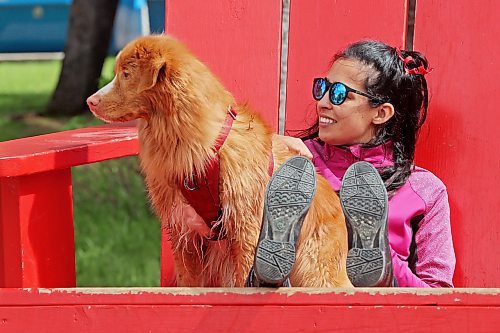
x: 391, y: 78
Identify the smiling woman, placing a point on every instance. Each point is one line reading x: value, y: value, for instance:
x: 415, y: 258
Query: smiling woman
x: 349, y: 116
x: 370, y: 108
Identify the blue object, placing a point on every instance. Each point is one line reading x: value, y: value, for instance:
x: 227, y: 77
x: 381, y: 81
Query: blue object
x: 131, y: 21
x: 41, y: 25
x: 134, y: 4
x: 9, y: 3
x: 156, y: 15
x: 33, y: 25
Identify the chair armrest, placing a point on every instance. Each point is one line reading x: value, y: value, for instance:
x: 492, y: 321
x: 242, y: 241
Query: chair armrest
x: 36, y: 200
x: 66, y: 149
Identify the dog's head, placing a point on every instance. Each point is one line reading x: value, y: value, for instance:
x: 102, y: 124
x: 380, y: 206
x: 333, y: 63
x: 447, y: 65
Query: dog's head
x: 155, y: 75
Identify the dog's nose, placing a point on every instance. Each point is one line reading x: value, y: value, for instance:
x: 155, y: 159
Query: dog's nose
x: 93, y: 101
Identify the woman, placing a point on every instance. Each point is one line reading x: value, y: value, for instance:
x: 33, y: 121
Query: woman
x: 370, y: 108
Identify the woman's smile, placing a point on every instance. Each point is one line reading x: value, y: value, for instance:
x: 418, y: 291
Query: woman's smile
x: 326, y: 121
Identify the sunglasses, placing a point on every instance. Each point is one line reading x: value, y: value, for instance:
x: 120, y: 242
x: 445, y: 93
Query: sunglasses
x: 338, y: 91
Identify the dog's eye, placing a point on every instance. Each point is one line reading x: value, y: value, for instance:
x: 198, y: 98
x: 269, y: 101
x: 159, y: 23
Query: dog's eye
x: 125, y: 74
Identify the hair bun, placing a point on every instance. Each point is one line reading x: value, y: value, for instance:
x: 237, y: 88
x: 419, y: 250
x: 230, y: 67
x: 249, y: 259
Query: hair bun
x: 410, y: 61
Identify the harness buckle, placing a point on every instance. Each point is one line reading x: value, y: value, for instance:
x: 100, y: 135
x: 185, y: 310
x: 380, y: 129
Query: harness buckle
x: 190, y: 186
x: 231, y: 112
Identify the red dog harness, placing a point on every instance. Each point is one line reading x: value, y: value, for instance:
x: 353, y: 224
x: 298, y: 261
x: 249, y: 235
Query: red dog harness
x: 202, y: 192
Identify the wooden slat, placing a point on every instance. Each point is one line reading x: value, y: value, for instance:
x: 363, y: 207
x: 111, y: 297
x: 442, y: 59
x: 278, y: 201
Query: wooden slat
x: 36, y: 230
x: 249, y: 310
x: 320, y: 28
x: 36, y: 209
x: 66, y: 149
x: 460, y: 141
x: 252, y: 296
x: 240, y: 40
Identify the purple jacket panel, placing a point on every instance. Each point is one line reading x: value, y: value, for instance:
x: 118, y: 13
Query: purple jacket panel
x: 423, y: 198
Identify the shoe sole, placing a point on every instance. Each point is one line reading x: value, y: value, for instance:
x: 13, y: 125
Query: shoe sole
x: 364, y: 201
x: 287, y: 200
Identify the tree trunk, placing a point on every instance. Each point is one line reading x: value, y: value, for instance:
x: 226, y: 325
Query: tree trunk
x: 89, y: 34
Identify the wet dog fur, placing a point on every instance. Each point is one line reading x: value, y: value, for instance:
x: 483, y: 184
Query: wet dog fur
x: 181, y: 106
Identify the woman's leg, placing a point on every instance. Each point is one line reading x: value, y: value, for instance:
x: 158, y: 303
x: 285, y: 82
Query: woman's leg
x: 286, y: 203
x: 364, y: 201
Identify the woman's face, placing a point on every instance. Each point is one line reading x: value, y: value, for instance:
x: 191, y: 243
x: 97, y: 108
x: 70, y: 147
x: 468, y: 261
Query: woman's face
x: 352, y: 121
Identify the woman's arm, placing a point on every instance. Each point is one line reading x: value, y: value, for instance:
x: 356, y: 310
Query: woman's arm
x: 435, y: 263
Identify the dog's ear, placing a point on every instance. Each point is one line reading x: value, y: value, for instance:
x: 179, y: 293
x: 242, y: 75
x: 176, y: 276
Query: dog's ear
x: 150, y: 75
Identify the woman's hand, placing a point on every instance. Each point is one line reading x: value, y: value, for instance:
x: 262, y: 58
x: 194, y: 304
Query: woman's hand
x: 296, y: 145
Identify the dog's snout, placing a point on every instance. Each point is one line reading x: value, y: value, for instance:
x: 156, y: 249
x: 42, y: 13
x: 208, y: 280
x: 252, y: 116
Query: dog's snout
x: 93, y: 101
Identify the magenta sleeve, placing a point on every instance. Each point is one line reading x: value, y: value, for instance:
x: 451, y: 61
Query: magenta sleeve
x: 436, y: 256
x: 403, y: 275
x: 435, y: 263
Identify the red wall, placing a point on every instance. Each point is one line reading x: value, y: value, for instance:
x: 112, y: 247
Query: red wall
x: 320, y: 28
x: 460, y: 142
x: 239, y: 40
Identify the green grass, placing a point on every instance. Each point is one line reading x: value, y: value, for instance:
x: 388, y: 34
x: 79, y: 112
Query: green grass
x: 25, y: 89
x: 117, y: 238
x: 27, y: 86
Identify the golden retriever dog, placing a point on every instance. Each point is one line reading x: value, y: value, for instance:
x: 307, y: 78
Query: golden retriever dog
x: 182, y: 106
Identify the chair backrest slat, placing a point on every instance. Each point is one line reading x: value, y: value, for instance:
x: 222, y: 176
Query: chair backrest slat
x: 320, y: 28
x: 460, y: 141
x: 239, y: 41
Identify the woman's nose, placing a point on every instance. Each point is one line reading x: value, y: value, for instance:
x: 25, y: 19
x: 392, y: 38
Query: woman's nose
x: 324, y: 102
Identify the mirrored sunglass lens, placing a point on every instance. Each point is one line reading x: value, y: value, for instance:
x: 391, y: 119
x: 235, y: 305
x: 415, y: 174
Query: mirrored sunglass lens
x: 319, y: 89
x: 338, y: 93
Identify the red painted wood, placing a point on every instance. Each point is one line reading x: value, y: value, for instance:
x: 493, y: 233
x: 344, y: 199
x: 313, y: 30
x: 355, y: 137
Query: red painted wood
x: 35, y: 182
x: 249, y: 319
x: 240, y: 41
x: 167, y: 272
x: 320, y: 28
x: 66, y: 149
x: 36, y: 211
x: 460, y: 141
x: 36, y: 230
x: 253, y: 310
x: 252, y: 296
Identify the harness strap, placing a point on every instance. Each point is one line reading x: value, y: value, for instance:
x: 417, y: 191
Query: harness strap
x: 270, y: 168
x: 202, y: 192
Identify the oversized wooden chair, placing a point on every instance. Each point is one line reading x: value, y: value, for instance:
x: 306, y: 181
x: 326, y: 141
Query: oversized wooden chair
x: 267, y: 52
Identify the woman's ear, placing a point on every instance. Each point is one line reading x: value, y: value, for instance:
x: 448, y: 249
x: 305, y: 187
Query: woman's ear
x: 385, y: 112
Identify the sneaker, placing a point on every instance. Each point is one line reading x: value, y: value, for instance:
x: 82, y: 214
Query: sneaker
x: 286, y: 203
x: 364, y: 201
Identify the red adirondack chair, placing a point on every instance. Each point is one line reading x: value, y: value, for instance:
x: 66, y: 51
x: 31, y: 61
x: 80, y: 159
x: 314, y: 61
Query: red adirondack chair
x: 241, y: 40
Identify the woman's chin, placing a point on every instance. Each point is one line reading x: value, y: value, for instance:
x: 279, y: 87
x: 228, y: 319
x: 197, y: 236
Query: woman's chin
x: 328, y: 139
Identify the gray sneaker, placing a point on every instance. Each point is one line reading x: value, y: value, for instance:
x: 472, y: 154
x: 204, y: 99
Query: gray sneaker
x: 365, y: 204
x: 286, y: 203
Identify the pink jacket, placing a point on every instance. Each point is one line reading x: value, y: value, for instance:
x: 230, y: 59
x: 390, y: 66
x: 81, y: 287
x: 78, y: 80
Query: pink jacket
x: 419, y: 215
